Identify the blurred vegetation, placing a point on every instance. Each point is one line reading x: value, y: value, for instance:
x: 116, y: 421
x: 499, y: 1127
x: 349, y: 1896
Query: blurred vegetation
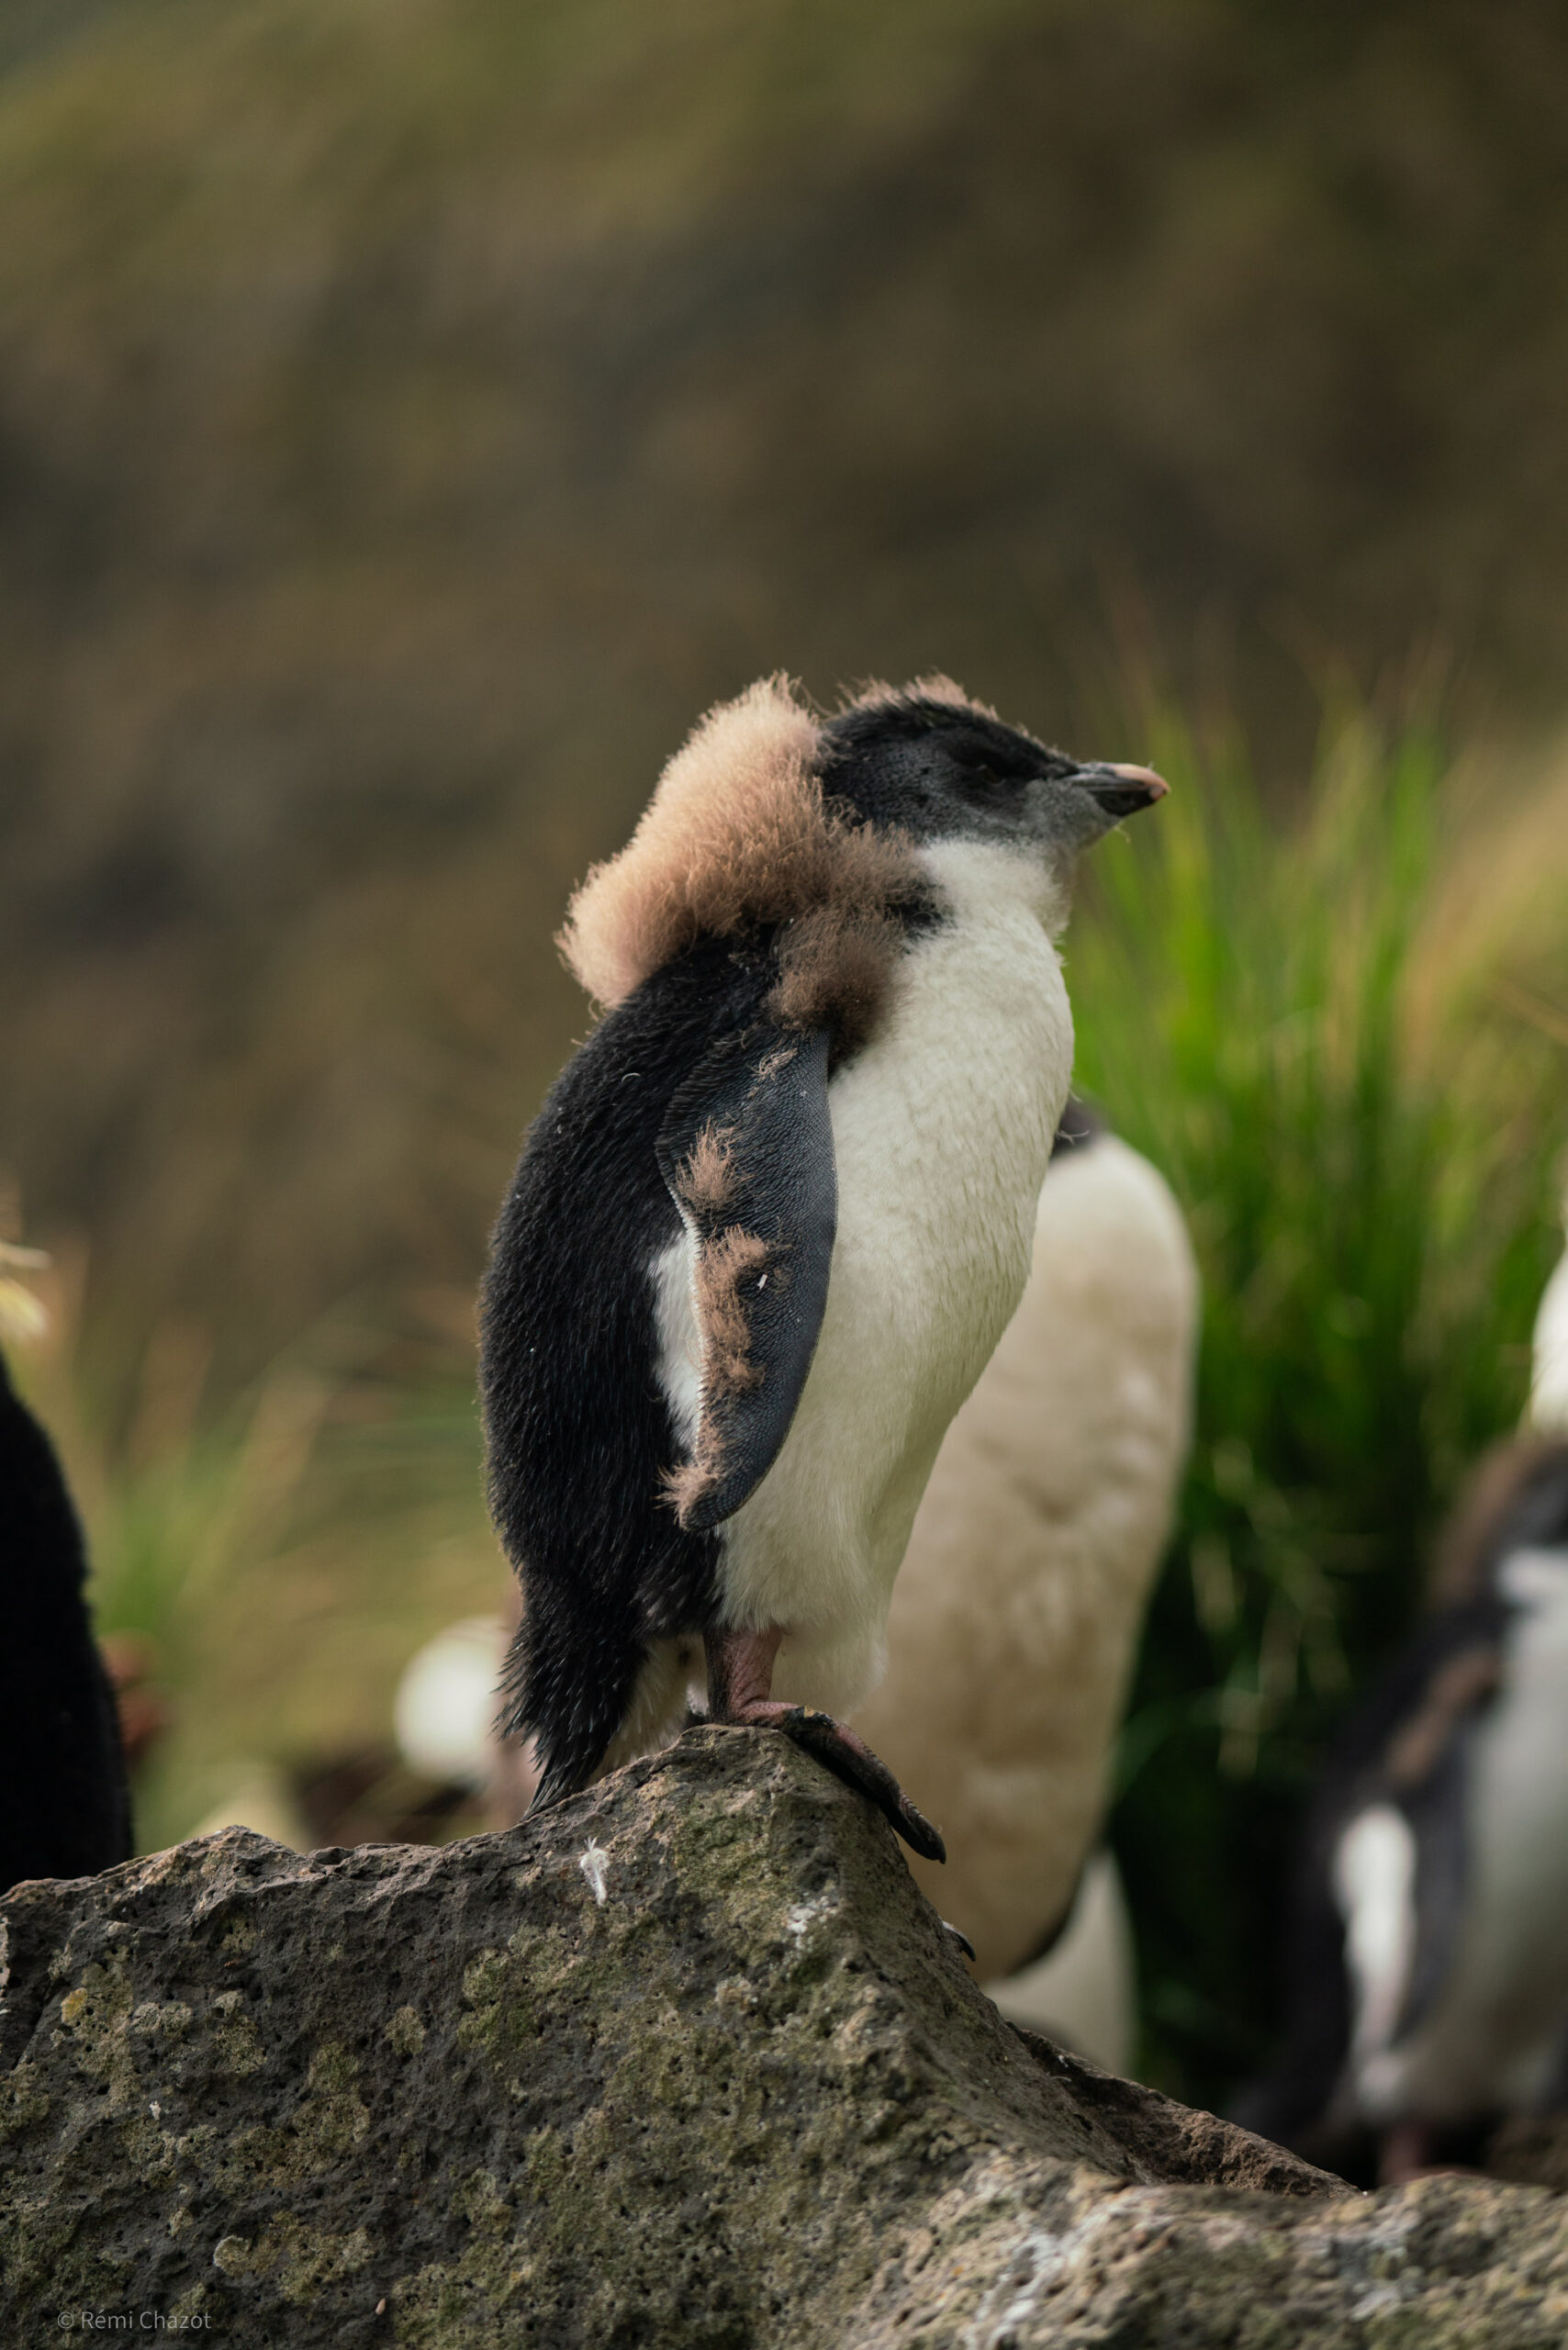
x: 413, y: 412
x: 1344, y: 1037
x: 283, y: 1549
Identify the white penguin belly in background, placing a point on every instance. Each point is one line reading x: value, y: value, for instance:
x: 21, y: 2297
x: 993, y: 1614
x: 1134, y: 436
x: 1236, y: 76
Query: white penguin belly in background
x: 1018, y: 1606
x: 1083, y: 1993
x: 942, y: 1132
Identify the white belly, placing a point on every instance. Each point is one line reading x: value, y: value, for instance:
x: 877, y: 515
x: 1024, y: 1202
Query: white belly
x: 942, y: 1131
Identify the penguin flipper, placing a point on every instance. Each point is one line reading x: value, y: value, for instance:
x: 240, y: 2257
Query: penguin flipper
x: 746, y: 1151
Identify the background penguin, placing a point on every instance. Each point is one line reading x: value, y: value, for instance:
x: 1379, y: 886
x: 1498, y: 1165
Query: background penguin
x: 1428, y: 1938
x: 67, y: 1808
x: 1018, y: 1606
x: 837, y: 1039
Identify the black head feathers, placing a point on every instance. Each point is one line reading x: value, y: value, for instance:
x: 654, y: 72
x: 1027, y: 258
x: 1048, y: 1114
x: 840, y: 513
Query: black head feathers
x: 770, y: 817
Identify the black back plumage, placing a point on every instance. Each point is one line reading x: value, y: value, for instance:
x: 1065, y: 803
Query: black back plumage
x: 67, y: 1809
x: 577, y: 1428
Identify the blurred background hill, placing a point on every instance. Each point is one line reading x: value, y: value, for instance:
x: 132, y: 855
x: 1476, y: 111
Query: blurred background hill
x: 414, y: 412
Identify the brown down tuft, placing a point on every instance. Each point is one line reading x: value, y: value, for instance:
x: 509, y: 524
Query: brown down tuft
x: 734, y: 832
x: 738, y: 834
x: 695, y: 1479
x: 706, y: 1179
x: 727, y: 1366
x: 727, y: 1354
x: 835, y: 965
x: 877, y: 694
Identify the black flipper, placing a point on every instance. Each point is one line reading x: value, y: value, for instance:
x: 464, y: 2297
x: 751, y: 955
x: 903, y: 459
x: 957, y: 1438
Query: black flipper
x: 747, y: 1150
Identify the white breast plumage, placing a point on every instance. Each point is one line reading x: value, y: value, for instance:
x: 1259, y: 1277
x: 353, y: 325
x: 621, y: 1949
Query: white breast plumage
x: 942, y: 1131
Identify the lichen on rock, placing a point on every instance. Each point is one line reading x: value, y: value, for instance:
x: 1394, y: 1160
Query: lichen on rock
x: 729, y: 2086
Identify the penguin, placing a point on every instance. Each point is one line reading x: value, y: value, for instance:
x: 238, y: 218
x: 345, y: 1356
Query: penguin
x: 1427, y: 1951
x: 67, y: 1811
x: 1017, y: 1609
x: 776, y: 1211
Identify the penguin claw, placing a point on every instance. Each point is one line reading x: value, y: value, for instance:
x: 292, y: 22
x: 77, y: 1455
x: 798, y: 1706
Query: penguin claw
x: 851, y: 1759
x: 959, y: 1937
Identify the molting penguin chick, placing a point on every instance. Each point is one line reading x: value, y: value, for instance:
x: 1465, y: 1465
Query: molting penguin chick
x: 67, y: 1809
x: 775, y: 1214
x: 1428, y: 1969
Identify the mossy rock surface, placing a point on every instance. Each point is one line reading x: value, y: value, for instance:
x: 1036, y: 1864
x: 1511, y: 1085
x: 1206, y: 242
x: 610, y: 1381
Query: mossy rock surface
x: 689, y: 2061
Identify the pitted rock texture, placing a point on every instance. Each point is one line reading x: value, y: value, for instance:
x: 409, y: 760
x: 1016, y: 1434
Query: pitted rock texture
x: 689, y: 2061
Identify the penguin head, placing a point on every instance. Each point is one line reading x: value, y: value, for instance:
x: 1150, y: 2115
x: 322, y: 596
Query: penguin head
x: 769, y: 815
x: 928, y: 763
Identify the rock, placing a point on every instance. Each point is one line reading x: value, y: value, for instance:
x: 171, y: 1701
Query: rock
x: 688, y: 2061
x: 1531, y: 2149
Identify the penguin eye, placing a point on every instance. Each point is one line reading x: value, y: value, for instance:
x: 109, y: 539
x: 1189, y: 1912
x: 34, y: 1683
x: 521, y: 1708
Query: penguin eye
x: 977, y: 779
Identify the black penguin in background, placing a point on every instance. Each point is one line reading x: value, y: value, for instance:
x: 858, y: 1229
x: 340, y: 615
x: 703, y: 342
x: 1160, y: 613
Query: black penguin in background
x: 776, y: 1213
x: 66, y: 1810
x: 1428, y: 1950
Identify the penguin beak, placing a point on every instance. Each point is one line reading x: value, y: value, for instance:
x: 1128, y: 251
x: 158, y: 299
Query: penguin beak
x: 1122, y: 791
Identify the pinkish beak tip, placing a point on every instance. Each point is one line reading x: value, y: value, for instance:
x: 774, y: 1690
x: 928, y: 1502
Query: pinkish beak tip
x: 1154, y: 785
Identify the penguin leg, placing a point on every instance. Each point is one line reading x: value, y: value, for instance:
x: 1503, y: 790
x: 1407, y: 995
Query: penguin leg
x: 740, y: 1684
x: 1403, y: 2153
x: 1409, y: 2149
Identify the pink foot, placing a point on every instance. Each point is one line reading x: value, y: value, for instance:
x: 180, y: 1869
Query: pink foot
x: 740, y: 1679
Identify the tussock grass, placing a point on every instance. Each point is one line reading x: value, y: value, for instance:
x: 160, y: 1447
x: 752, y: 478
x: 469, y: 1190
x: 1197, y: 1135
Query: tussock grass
x: 1365, y: 1134
x: 282, y: 1550
x: 416, y: 411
